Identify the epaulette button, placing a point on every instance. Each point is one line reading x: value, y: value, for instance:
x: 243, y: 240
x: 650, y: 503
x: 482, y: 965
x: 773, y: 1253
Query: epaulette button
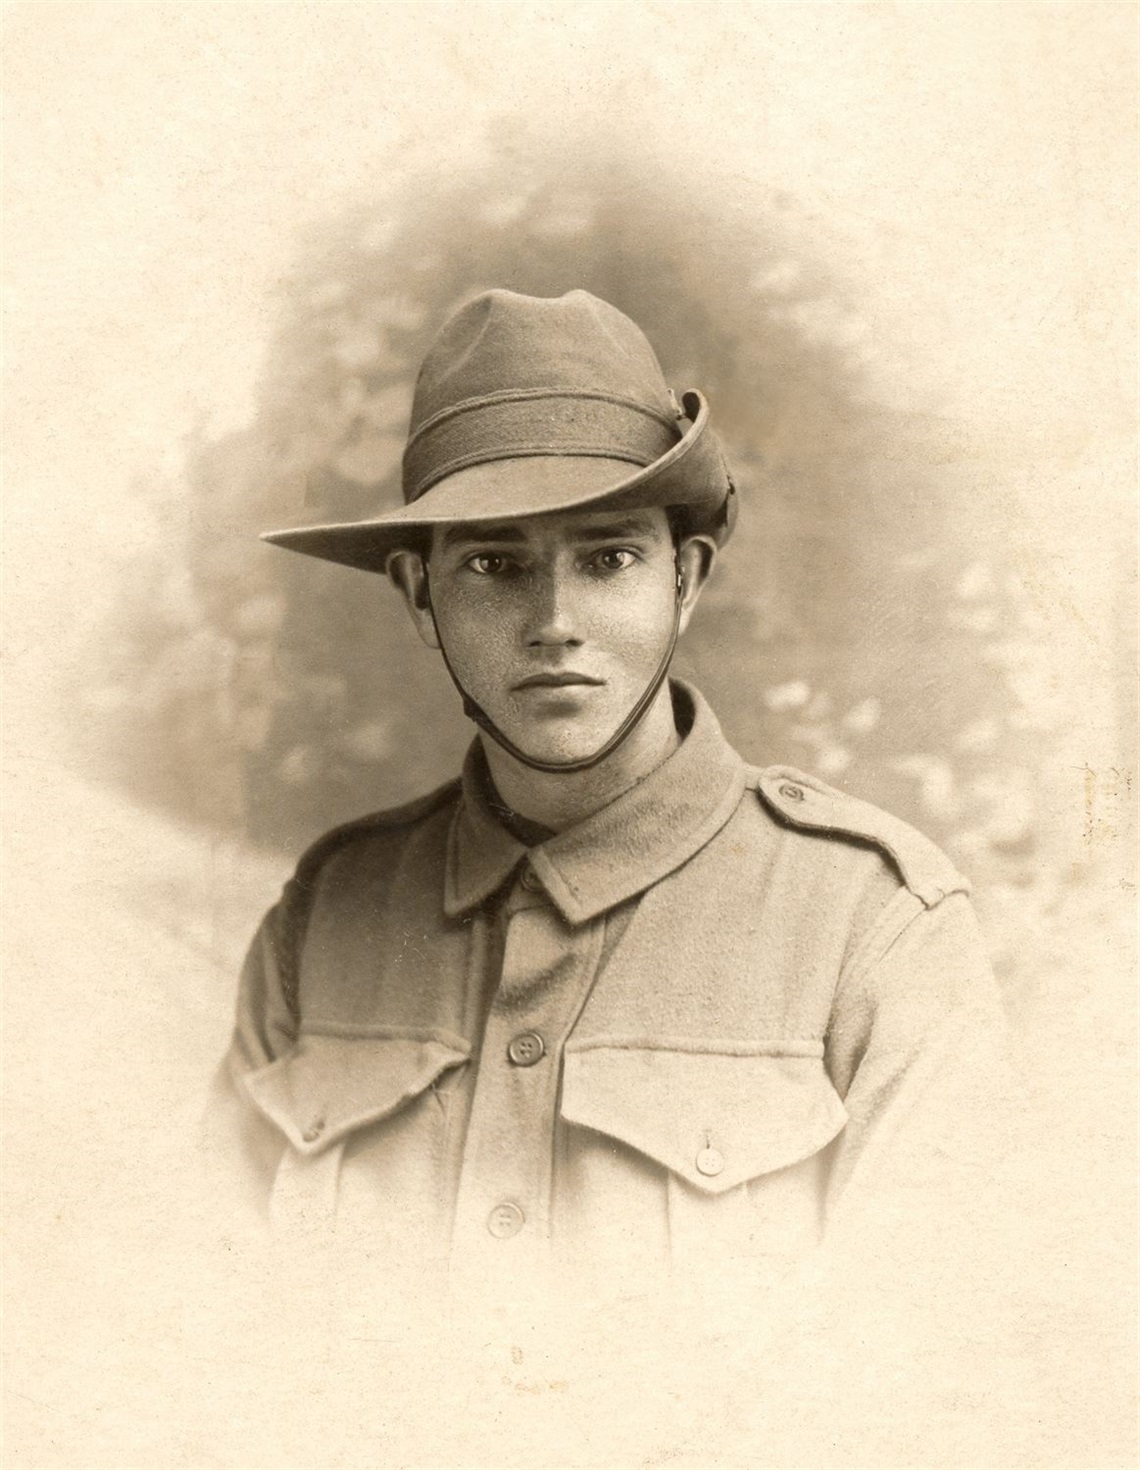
x: 793, y: 793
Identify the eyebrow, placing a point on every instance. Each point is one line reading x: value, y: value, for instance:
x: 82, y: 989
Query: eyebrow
x: 464, y: 532
x: 622, y: 526
x: 508, y: 532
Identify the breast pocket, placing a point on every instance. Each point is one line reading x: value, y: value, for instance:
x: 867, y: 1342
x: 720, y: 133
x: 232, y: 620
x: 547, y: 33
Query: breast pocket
x: 706, y: 1151
x: 372, y: 1098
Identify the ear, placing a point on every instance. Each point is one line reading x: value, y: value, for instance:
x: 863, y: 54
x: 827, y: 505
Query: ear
x: 696, y: 556
x: 408, y: 572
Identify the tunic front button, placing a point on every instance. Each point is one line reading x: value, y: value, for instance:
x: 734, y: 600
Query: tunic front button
x: 505, y: 1220
x: 531, y: 881
x: 526, y: 1049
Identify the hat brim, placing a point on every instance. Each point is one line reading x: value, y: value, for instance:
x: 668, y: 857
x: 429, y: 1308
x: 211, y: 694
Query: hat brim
x: 692, y: 473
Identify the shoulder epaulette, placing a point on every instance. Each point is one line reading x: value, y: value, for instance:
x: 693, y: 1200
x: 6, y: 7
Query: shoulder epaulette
x: 298, y: 896
x: 806, y: 802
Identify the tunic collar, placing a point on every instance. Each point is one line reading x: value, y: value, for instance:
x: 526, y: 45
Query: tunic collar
x: 626, y: 847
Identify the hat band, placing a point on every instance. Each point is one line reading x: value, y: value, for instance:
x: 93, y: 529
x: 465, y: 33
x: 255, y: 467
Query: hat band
x: 506, y: 427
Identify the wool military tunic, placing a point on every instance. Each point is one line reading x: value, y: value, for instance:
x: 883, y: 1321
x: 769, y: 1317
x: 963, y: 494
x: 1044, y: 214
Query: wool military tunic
x: 703, y: 1023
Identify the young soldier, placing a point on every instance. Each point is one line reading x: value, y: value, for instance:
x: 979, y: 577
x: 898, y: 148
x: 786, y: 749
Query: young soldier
x: 613, y: 996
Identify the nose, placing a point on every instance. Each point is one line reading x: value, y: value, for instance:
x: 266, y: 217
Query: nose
x: 551, y: 618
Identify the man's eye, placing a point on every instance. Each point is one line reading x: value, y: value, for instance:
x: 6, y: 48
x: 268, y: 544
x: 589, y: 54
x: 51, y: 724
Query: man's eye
x: 613, y: 559
x: 487, y: 563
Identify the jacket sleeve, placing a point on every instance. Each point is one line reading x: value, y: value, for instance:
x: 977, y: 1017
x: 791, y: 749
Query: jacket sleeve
x: 923, y: 1224
x: 906, y: 1327
x: 241, y: 1147
x: 919, y: 1050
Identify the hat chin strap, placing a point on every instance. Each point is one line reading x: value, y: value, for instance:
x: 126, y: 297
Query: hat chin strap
x: 481, y: 718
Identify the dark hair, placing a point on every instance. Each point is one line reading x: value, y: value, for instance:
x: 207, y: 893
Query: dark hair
x: 685, y: 520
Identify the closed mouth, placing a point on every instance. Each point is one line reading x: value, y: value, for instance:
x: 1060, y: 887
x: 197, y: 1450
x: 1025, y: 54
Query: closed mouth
x: 563, y: 679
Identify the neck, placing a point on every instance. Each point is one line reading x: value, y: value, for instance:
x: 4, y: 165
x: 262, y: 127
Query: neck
x: 559, y: 800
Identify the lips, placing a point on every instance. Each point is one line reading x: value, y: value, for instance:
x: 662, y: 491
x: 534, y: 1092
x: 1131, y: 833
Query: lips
x: 557, y: 679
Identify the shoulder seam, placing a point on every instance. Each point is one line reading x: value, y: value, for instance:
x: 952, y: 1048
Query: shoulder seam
x: 398, y: 816
x: 298, y: 895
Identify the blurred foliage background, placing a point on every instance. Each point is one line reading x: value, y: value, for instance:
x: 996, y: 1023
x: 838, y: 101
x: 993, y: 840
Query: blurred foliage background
x: 861, y: 626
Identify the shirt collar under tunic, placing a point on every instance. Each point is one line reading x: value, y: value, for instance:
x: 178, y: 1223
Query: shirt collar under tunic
x: 622, y: 849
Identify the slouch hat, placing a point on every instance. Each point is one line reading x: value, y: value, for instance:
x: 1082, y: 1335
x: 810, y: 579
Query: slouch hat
x: 526, y: 405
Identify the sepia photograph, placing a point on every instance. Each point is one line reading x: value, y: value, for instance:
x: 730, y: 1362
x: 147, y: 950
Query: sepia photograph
x: 570, y: 735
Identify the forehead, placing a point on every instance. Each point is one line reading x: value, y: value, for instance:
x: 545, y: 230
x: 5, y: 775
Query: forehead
x: 560, y: 528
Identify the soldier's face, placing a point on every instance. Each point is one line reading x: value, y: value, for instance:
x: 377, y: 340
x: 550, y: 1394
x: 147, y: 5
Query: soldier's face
x: 555, y: 624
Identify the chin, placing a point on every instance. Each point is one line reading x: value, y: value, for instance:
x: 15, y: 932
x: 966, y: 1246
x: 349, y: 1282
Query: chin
x: 561, y: 745
x: 559, y: 733
x: 556, y: 724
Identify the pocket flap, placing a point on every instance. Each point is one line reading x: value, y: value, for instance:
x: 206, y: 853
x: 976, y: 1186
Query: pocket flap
x: 716, y: 1118
x: 328, y: 1086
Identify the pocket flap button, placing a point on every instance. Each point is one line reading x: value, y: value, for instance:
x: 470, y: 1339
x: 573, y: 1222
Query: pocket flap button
x: 710, y: 1161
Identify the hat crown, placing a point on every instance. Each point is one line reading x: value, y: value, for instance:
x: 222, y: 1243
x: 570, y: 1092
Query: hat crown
x: 526, y: 405
x: 504, y: 342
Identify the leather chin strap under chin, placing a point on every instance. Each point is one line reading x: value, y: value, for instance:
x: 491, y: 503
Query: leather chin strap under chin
x: 621, y: 734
